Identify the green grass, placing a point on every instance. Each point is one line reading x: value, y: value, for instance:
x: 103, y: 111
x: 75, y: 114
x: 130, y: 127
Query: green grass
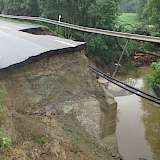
x: 5, y: 140
x: 41, y: 140
x: 129, y: 19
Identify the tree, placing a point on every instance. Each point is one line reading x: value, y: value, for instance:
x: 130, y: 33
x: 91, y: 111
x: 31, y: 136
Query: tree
x: 21, y: 7
x: 1, y: 6
x: 152, y: 10
x: 149, y: 11
x: 104, y: 13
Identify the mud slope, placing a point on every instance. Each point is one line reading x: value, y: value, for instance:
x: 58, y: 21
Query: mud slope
x: 56, y: 110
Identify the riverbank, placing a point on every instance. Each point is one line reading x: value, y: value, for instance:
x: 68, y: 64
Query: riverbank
x: 138, y: 120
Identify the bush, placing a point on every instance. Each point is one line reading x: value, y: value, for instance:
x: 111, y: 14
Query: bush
x: 5, y: 140
x: 40, y: 140
x: 153, y: 80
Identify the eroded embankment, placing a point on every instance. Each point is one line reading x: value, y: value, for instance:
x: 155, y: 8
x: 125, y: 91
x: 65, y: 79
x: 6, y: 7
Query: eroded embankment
x: 55, y: 109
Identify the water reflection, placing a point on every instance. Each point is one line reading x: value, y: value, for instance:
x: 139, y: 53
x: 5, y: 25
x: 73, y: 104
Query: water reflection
x: 138, y: 125
x: 151, y: 120
x: 130, y: 129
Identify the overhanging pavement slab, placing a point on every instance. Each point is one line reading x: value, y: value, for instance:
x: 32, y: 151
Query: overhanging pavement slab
x: 17, y: 46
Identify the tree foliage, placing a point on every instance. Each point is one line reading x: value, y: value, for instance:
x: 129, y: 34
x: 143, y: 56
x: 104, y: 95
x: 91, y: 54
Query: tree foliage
x: 152, y: 11
x: 149, y: 11
x: 153, y: 79
x: 20, y: 7
x: 1, y: 5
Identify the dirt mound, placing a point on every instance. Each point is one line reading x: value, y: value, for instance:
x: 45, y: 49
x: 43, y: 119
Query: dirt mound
x: 56, y: 110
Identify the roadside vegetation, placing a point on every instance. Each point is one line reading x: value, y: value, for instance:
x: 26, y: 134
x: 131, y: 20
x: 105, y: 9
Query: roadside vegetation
x: 5, y: 140
x: 128, y: 19
x: 41, y: 140
x: 153, y: 80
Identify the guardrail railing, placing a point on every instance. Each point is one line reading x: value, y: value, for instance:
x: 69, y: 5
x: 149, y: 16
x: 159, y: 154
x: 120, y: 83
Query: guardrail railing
x: 88, y: 29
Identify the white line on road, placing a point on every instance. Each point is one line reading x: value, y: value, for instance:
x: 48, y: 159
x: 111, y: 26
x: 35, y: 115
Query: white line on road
x: 65, y: 43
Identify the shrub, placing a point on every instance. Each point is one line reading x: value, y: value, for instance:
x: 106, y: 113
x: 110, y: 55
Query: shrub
x: 153, y: 79
x: 5, y: 140
x: 40, y: 140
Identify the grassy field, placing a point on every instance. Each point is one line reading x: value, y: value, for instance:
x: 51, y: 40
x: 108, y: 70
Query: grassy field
x: 128, y: 19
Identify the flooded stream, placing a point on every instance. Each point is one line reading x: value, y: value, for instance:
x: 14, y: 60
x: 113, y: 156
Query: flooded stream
x: 138, y: 121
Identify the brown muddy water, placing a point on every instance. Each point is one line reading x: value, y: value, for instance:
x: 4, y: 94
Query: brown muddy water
x: 138, y: 121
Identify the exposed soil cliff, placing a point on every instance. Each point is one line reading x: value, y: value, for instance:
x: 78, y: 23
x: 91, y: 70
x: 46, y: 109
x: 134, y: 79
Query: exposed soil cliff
x: 55, y: 109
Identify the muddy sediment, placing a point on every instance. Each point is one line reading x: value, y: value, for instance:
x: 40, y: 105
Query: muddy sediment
x: 59, y: 98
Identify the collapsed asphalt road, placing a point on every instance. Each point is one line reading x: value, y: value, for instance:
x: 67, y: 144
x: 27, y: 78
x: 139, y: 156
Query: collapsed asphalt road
x: 13, y: 25
x: 17, y: 46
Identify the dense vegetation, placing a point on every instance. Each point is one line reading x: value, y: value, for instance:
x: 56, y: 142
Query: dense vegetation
x: 151, y: 11
x: 153, y: 80
x: 20, y: 7
x: 128, y: 21
x: 147, y: 11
